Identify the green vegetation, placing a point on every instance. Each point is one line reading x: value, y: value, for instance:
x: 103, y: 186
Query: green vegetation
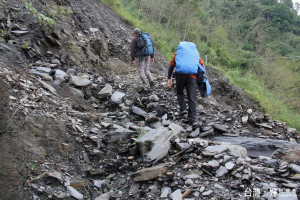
x: 43, y: 19
x: 57, y: 12
x: 257, y: 43
x: 71, y: 45
x: 268, y: 99
x: 142, y: 132
x: 2, y: 35
x: 25, y: 46
x: 51, y: 13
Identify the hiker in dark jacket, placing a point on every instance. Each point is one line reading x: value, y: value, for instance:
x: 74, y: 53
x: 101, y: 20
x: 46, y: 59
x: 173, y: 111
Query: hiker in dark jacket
x: 189, y: 82
x: 141, y: 62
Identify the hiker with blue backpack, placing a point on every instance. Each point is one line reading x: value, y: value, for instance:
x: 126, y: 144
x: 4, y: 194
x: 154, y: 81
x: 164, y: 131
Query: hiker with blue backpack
x: 142, y: 53
x: 189, y: 69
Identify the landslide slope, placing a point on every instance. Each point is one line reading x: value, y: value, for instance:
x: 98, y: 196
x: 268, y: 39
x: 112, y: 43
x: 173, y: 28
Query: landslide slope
x: 50, y: 124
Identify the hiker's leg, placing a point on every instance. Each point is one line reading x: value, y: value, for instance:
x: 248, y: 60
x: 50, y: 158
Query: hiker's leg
x: 180, y: 84
x: 147, y: 68
x: 192, y: 100
x: 140, y: 68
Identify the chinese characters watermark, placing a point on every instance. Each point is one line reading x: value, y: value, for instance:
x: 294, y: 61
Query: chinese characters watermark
x: 256, y: 193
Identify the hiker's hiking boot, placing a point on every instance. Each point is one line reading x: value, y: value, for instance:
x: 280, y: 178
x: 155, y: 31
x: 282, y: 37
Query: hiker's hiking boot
x: 151, y: 84
x: 195, y: 124
x: 184, y: 112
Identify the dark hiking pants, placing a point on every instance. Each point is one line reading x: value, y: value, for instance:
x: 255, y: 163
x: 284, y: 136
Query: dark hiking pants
x: 189, y: 83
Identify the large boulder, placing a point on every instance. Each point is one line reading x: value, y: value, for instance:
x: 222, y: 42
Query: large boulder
x: 100, y: 48
x: 289, y: 153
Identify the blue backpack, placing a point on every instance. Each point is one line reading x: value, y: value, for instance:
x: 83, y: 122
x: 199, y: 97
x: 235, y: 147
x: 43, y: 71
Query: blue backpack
x: 145, y: 44
x: 187, y: 62
x: 187, y: 58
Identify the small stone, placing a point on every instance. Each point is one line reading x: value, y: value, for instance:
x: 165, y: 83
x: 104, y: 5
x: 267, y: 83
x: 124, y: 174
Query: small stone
x: 79, y: 81
x: 269, y: 171
x: 154, y: 98
x: 206, y: 128
x: 245, y: 119
x: 176, y: 195
x: 182, y: 146
x: 207, y: 193
x: 74, y: 193
x: 295, y: 167
x: 195, y: 133
x: 217, y: 149
x: 221, y: 171
x: 105, y: 196
x: 295, y: 177
x: 220, y: 128
x: 19, y: 33
x: 56, y: 175
x: 229, y: 165
x: 214, y: 164
x: 191, y: 176
x: 149, y: 173
x: 117, y: 97
x: 101, y: 183
x: 165, y: 191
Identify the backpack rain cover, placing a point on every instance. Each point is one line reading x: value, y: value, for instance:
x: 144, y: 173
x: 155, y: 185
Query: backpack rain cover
x: 187, y: 58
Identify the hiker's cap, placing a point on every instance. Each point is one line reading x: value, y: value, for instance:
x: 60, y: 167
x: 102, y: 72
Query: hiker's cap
x: 137, y: 30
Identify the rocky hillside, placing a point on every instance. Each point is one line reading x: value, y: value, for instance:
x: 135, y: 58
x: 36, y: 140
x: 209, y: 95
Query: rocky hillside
x: 76, y: 122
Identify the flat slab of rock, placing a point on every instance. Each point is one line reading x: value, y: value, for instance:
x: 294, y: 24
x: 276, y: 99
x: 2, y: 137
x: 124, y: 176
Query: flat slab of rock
x: 295, y: 167
x: 264, y: 170
x: 176, y: 195
x: 117, y: 97
x: 118, y: 133
x: 48, y: 87
x: 79, y: 81
x: 221, y: 171
x: 139, y: 111
x: 105, y: 92
x: 216, y: 149
x: 256, y: 146
x: 156, y: 142
x: 19, y: 33
x: 149, y: 173
x: 74, y: 193
x: 60, y: 75
x: 44, y: 76
x: 220, y: 128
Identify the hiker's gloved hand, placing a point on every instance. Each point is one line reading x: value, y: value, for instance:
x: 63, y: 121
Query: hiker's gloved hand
x: 169, y: 83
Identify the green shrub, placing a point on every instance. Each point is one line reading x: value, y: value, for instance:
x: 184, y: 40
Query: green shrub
x: 248, y: 47
x: 267, y: 99
x: 58, y: 12
x: 114, y: 4
x: 2, y: 35
x: 71, y: 45
x: 43, y: 19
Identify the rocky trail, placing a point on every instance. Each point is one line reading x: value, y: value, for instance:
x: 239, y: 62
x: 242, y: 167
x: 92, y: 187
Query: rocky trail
x: 80, y: 125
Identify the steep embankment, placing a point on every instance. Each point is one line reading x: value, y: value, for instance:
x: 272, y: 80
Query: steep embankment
x: 71, y: 106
